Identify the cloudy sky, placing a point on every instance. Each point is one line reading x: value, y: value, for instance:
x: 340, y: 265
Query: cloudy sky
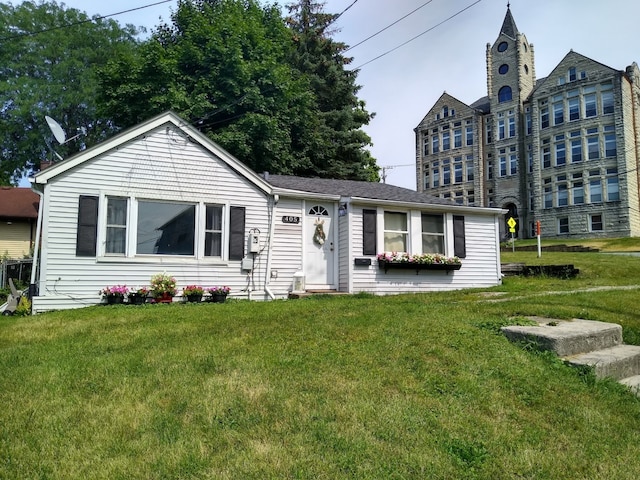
x: 447, y: 54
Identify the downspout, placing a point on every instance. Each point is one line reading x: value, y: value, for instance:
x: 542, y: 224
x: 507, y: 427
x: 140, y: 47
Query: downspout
x: 35, y: 269
x: 272, y: 226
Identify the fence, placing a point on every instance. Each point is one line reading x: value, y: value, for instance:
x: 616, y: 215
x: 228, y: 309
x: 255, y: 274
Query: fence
x: 17, y: 269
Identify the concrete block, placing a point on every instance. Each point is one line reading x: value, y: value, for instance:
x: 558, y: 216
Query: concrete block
x: 621, y: 361
x: 567, y: 338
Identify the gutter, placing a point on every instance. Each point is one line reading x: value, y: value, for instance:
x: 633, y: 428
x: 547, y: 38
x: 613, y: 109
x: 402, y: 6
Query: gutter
x: 35, y: 269
x: 272, y: 227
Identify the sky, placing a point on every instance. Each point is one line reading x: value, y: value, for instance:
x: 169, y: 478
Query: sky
x: 447, y: 54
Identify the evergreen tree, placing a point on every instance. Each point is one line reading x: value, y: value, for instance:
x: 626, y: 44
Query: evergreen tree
x: 340, y: 143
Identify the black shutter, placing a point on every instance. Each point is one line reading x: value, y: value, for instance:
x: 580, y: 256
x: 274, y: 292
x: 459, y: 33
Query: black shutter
x: 369, y: 218
x: 459, y: 244
x: 236, y: 233
x: 87, y: 226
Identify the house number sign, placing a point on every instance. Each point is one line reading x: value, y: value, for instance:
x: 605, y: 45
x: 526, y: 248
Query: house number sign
x: 290, y: 219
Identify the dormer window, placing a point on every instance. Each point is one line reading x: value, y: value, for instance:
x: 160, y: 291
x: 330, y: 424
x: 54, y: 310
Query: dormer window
x: 502, y: 46
x: 504, y: 68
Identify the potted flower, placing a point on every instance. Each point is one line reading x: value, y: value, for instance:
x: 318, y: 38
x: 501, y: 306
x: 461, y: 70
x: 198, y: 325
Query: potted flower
x: 193, y: 293
x: 114, y: 294
x: 163, y: 287
x: 138, y: 295
x: 218, y: 294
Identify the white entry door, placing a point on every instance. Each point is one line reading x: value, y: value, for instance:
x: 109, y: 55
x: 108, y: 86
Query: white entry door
x: 319, y: 246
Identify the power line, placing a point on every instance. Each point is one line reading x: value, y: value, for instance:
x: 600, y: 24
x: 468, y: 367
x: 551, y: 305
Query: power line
x: 340, y: 14
x: 388, y: 26
x: 31, y: 34
x: 419, y: 35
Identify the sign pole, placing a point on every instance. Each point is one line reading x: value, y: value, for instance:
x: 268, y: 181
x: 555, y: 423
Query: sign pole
x: 512, y: 228
x: 538, y: 235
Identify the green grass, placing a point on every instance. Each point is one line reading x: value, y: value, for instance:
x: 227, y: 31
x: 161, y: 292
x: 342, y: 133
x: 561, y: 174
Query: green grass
x: 408, y: 386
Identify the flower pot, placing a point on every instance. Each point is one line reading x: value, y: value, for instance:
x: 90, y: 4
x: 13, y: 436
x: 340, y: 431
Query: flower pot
x: 115, y: 299
x: 218, y: 297
x: 194, y: 298
x: 137, y: 299
x: 164, y: 298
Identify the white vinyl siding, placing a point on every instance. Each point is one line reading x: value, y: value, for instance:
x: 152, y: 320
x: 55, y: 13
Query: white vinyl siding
x: 150, y: 167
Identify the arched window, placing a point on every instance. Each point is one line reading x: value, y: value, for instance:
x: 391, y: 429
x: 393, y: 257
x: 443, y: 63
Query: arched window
x: 318, y: 211
x: 504, y: 94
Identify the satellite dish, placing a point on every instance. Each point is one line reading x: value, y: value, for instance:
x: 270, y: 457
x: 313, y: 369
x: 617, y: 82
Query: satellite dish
x: 56, y: 129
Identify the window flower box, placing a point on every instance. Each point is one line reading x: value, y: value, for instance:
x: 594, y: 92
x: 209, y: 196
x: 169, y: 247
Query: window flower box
x: 426, y: 261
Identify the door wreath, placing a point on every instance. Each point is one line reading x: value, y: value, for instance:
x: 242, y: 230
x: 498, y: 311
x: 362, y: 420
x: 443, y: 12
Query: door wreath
x: 319, y: 236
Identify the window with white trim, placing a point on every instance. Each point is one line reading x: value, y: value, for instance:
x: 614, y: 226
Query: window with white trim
x: 116, y: 231
x: 149, y: 227
x: 165, y: 228
x: 395, y: 232
x: 432, y: 233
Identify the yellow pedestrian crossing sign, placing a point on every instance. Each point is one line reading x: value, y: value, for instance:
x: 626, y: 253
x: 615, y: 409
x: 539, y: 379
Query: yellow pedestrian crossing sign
x: 512, y: 225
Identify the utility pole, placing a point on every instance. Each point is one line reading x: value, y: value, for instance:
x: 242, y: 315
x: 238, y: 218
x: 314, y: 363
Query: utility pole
x: 391, y: 167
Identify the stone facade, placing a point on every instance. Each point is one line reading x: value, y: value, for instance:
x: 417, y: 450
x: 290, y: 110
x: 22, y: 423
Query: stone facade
x: 562, y: 150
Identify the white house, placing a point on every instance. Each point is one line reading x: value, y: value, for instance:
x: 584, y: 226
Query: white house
x: 161, y: 197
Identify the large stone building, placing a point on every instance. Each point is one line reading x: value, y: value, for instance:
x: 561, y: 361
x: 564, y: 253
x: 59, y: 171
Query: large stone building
x: 562, y: 150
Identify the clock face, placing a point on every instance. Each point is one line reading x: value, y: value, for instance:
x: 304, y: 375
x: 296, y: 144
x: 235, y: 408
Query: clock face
x: 502, y: 46
x: 504, y: 68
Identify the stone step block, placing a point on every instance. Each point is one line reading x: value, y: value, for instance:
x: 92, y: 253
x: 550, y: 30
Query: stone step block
x: 567, y: 337
x: 621, y: 361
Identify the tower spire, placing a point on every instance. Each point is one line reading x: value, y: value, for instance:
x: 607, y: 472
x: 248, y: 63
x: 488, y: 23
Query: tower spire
x: 509, y: 25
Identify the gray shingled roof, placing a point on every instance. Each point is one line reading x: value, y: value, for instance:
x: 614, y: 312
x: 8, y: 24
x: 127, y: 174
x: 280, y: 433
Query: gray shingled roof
x: 353, y: 188
x: 483, y: 104
x: 509, y: 25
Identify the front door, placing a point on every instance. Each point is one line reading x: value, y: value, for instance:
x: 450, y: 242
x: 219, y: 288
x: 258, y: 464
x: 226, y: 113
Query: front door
x: 319, y: 246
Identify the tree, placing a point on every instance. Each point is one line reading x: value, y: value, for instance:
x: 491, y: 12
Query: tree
x: 342, y: 142
x: 49, y: 61
x: 223, y: 65
x: 233, y: 69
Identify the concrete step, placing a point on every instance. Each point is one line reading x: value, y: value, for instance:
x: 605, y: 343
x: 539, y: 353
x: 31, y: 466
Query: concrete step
x: 567, y: 337
x: 621, y: 361
x: 633, y: 383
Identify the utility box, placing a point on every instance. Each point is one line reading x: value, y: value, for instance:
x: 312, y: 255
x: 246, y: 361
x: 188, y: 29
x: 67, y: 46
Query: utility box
x: 298, y: 282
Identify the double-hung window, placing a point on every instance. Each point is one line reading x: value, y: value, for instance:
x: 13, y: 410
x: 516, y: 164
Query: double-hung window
x: 432, y: 233
x: 573, y: 99
x: 590, y: 102
x: 395, y: 232
x: 116, y: 232
x: 606, y: 94
x: 558, y: 111
x: 213, y: 231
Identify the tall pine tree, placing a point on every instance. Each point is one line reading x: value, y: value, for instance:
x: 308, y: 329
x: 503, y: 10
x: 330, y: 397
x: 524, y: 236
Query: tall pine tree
x: 338, y: 148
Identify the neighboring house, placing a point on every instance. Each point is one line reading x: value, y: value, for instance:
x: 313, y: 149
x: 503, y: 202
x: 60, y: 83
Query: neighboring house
x: 18, y: 215
x: 562, y: 150
x: 161, y: 197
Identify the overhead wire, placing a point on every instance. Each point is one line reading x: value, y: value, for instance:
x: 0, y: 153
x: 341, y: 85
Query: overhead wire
x: 388, y: 26
x: 81, y: 22
x: 417, y: 36
x: 343, y: 11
